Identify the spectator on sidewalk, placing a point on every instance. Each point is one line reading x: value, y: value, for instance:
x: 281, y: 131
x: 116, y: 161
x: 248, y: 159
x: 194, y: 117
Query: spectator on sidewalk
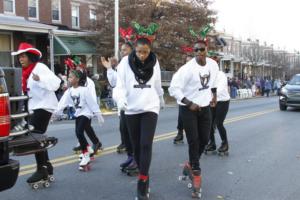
x: 268, y: 87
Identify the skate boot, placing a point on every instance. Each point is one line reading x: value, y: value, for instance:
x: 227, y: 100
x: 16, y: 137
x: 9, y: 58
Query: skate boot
x: 121, y: 148
x: 196, y: 184
x: 84, y: 164
x: 126, y: 163
x: 179, y: 137
x: 132, y: 169
x: 186, y: 172
x: 77, y: 149
x: 143, y: 191
x: 210, y: 148
x: 223, y: 149
x: 40, y: 177
x: 50, y: 171
x: 96, y: 148
x: 91, y: 152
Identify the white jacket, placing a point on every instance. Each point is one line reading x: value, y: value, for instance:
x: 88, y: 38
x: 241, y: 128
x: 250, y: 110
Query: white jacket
x: 42, y: 92
x: 195, y: 82
x: 138, y: 100
x: 222, y: 87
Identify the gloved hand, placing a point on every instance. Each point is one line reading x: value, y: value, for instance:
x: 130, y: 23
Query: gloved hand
x: 122, y: 104
x: 100, y: 119
x: 162, y: 102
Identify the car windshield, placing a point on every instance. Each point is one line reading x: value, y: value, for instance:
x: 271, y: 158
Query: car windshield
x: 295, y: 80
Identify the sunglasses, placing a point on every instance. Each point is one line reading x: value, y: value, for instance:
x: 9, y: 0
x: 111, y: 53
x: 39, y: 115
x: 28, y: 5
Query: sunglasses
x: 199, y: 49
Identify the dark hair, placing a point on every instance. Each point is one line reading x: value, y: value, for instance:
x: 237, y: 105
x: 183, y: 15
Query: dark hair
x: 143, y: 41
x: 129, y: 44
x: 32, y: 57
x: 201, y: 42
x: 81, y: 75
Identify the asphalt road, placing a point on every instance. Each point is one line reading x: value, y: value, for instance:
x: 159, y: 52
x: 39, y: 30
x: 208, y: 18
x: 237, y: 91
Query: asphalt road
x: 263, y: 163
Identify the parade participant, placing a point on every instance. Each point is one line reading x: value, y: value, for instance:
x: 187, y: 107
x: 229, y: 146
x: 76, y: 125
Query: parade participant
x: 219, y: 113
x: 193, y: 86
x: 72, y: 64
x: 179, y: 137
x: 79, y: 96
x: 40, y: 84
x: 139, y: 93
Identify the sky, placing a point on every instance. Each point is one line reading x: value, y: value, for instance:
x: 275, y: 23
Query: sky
x: 272, y: 21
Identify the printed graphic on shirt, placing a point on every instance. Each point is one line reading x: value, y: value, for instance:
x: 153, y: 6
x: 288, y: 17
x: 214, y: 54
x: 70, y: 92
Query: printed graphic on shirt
x: 204, y: 80
x: 141, y: 83
x: 76, y: 101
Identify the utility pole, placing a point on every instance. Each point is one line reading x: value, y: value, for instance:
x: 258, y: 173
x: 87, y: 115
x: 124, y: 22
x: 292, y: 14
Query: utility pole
x: 117, y: 29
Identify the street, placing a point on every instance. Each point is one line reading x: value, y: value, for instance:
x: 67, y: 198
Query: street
x: 263, y: 161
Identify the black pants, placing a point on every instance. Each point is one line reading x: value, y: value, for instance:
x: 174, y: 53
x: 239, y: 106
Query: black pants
x: 179, y: 121
x: 141, y: 128
x: 91, y: 133
x: 40, y: 120
x: 82, y: 123
x: 197, y: 128
x: 125, y: 137
x: 219, y: 114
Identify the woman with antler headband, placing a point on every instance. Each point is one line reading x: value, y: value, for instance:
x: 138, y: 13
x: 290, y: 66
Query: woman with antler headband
x: 139, y: 93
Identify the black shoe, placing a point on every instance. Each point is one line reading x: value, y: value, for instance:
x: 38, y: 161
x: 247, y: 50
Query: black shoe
x: 179, y: 138
x: 224, y: 147
x: 211, y: 147
x: 49, y: 168
x: 77, y: 148
x: 132, y: 169
x: 143, y: 189
x: 126, y: 163
x: 40, y: 174
x: 121, y: 148
x: 96, y: 148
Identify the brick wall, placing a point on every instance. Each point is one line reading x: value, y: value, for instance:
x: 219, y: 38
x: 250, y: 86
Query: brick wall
x: 84, y: 13
x: 66, y: 14
x: 21, y: 8
x: 45, y: 15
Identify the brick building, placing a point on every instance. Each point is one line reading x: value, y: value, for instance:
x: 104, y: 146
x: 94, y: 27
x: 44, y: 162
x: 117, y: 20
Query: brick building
x: 57, y: 27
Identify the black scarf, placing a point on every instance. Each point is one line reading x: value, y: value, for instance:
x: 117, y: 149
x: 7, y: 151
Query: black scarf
x: 142, y: 71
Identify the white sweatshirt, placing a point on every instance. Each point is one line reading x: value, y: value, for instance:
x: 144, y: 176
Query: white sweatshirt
x: 222, y: 87
x: 81, y: 99
x: 195, y: 82
x: 42, y: 92
x: 91, y: 87
x: 112, y: 77
x: 139, y: 100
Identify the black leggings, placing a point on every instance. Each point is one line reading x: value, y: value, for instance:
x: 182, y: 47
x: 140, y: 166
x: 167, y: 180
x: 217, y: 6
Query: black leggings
x: 219, y: 114
x: 179, y: 121
x: 82, y: 123
x: 197, y: 127
x: 125, y: 137
x: 141, y: 128
x: 91, y: 133
x: 40, y: 120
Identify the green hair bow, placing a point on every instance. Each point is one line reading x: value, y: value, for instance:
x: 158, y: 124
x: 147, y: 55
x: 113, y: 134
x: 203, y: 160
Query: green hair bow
x: 150, y: 30
x: 202, y: 33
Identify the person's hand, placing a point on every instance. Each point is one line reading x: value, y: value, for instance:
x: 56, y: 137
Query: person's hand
x: 194, y: 107
x: 35, y: 77
x: 100, y: 119
x: 213, y: 102
x: 106, y: 63
x: 162, y: 102
x: 122, y: 104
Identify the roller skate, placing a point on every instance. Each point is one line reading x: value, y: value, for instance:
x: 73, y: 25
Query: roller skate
x: 39, y: 178
x: 223, y: 149
x: 179, y: 138
x: 121, y: 148
x: 210, y: 148
x: 186, y: 172
x: 196, y: 184
x: 84, y: 164
x: 143, y: 190
x: 132, y: 169
x: 90, y: 151
x: 97, y: 147
x: 50, y: 172
x: 126, y: 163
x: 77, y: 149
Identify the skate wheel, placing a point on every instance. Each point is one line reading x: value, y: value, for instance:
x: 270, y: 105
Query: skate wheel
x: 51, y: 178
x: 46, y: 184
x: 189, y: 185
x: 35, y: 186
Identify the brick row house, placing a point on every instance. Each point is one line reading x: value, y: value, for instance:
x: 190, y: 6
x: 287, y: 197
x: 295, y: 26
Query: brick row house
x: 57, y: 27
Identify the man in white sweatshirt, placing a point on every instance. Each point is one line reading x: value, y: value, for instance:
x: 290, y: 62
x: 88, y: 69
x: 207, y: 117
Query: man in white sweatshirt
x: 193, y: 86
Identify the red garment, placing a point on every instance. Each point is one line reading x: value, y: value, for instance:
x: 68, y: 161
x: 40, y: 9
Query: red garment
x: 26, y: 71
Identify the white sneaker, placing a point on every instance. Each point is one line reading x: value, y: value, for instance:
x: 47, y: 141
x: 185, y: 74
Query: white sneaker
x: 85, y: 159
x: 90, y: 151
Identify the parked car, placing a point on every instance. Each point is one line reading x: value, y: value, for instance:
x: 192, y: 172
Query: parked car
x: 289, y: 95
x: 16, y: 137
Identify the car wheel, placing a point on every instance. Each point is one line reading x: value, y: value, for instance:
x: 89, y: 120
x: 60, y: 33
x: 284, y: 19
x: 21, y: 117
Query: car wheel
x: 282, y: 107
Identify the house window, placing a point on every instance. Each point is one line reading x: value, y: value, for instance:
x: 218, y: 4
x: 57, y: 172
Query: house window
x: 5, y: 50
x: 93, y: 15
x: 75, y: 16
x: 9, y: 6
x: 33, y: 9
x: 56, y: 10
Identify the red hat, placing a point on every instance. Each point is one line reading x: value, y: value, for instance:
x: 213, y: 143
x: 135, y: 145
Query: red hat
x: 26, y: 47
